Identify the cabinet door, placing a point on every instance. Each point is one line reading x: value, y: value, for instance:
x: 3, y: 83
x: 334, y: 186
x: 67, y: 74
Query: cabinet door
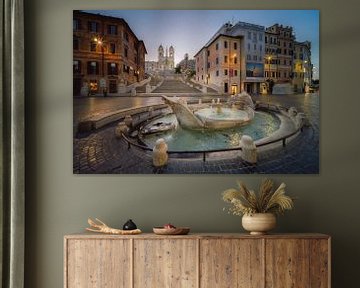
x: 287, y: 263
x: 320, y: 263
x: 167, y: 263
x: 231, y: 263
x: 98, y: 263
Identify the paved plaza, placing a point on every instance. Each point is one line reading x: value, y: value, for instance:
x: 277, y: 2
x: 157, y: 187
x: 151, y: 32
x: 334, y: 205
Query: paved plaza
x: 100, y: 152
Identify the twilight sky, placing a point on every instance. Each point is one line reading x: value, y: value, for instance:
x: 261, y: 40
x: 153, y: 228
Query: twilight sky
x: 189, y: 30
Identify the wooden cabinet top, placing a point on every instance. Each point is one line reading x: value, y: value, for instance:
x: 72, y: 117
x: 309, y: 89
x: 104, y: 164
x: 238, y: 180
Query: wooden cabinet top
x: 199, y: 236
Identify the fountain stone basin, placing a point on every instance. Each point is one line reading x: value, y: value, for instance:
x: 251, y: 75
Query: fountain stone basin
x: 226, y: 118
x: 211, y: 118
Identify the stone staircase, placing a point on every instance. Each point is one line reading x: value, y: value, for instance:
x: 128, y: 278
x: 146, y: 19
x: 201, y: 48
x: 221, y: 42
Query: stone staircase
x: 175, y: 86
x: 153, y: 82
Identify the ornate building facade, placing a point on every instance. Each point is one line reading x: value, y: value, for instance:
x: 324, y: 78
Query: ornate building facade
x: 248, y: 57
x: 279, y: 46
x: 107, y: 55
x: 165, y: 61
x: 302, y: 70
x: 232, y: 60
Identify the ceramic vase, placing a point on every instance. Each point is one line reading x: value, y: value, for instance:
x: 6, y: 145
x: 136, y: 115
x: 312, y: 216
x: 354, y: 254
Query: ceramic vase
x: 259, y: 223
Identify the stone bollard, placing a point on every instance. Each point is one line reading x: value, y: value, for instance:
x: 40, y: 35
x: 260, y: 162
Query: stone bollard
x: 121, y: 88
x: 84, y: 90
x: 120, y: 129
x: 249, y: 151
x: 300, y: 119
x: 148, y: 88
x: 151, y: 112
x: 292, y: 112
x: 128, y: 120
x: 160, y: 155
x: 133, y: 92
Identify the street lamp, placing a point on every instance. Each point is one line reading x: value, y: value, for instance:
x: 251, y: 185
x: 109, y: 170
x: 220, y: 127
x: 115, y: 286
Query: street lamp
x: 99, y: 41
x: 269, y: 59
x: 269, y: 78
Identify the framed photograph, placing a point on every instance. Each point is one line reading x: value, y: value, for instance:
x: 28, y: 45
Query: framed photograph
x: 196, y: 91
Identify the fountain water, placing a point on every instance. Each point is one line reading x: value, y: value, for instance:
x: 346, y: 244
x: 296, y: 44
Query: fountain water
x: 206, y: 118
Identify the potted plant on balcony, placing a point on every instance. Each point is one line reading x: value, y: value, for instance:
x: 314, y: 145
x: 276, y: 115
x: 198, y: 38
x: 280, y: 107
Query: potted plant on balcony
x: 258, y: 210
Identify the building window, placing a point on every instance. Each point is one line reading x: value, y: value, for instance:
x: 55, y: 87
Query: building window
x: 285, y: 74
x: 285, y: 62
x: 254, y: 46
x: 202, y: 77
x: 225, y: 72
x: 235, y: 60
x: 217, y: 73
x: 76, y: 66
x: 126, y: 35
x: 93, y: 46
x: 225, y: 59
x: 285, y: 51
x: 284, y: 44
x: 255, y: 37
x: 255, y: 57
x: 235, y: 46
x: 248, y: 57
x: 112, y: 29
x: 217, y: 60
x: 112, y: 48
x: 266, y: 41
x: 249, y: 46
x: 217, y: 46
x: 112, y: 69
x: 93, y: 68
x: 126, y: 52
x: 260, y: 36
x: 208, y: 53
x: 93, y: 26
x: 290, y: 45
x: 225, y: 44
x: 208, y: 65
x: 249, y: 35
x: 273, y: 74
x: 235, y: 72
x: 76, y: 24
x: 76, y: 43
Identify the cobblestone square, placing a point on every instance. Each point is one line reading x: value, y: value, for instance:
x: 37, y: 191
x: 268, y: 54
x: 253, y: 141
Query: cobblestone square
x: 100, y: 152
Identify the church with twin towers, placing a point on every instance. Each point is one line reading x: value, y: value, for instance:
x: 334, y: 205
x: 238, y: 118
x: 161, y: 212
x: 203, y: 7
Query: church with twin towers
x: 166, y: 58
x: 165, y: 61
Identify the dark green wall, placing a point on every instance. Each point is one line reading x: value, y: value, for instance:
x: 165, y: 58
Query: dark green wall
x: 59, y: 202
